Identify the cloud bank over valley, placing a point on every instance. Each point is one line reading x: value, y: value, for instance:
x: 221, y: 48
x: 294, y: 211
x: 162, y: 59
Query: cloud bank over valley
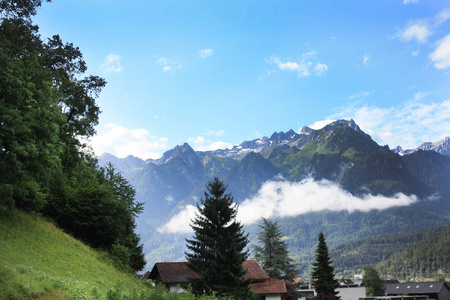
x: 289, y: 199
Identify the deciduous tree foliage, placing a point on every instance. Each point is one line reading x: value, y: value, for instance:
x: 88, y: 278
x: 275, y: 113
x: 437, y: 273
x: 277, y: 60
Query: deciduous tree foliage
x: 19, y: 8
x: 217, y: 250
x: 322, y: 276
x: 46, y: 106
x: 373, y: 283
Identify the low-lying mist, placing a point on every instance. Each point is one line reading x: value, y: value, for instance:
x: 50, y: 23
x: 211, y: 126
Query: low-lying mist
x: 290, y: 199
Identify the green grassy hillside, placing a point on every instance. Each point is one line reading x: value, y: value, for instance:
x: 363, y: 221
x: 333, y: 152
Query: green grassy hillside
x: 39, y: 261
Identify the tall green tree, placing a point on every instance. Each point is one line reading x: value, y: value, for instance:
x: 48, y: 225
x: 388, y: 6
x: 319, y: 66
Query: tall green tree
x: 273, y: 256
x: 46, y: 106
x: 322, y: 276
x: 373, y: 283
x: 29, y: 118
x: 98, y: 206
x: 19, y: 8
x: 217, y: 250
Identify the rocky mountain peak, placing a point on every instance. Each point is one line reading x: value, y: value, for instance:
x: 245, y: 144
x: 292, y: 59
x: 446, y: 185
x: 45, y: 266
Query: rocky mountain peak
x: 344, y: 123
x: 442, y: 146
x: 306, y: 130
x: 178, y: 151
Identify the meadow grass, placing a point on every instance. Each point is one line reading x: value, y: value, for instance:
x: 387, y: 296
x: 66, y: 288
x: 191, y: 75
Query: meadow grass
x: 40, y: 261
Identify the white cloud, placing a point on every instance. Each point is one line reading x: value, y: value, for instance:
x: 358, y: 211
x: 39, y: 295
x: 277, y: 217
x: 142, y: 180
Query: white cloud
x: 320, y: 124
x: 303, y: 67
x: 309, y: 54
x: 197, y: 140
x: 417, y: 30
x: 169, y: 66
x: 112, y: 64
x: 215, y: 146
x: 290, y: 199
x: 410, y: 1
x: 441, y: 55
x: 215, y: 133
x: 122, y: 142
x: 407, y: 125
x: 359, y: 96
x: 180, y: 222
x: 320, y: 69
x: 207, y: 145
x: 365, y: 58
x: 205, y: 53
x: 442, y: 17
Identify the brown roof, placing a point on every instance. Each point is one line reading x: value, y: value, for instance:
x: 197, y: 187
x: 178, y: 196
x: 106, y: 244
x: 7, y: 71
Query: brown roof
x: 270, y: 286
x: 173, y: 272
x: 179, y: 272
x: 254, y: 271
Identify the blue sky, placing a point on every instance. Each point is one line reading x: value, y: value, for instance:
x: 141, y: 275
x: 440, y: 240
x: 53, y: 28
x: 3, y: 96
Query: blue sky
x: 215, y: 73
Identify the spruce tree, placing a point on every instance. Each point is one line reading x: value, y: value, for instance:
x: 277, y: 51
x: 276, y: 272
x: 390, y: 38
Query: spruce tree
x: 217, y: 250
x: 322, y: 276
x: 273, y: 256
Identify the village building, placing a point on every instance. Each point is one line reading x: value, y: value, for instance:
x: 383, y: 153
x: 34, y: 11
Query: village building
x: 396, y: 298
x: 347, y: 290
x: 434, y: 290
x: 176, y: 277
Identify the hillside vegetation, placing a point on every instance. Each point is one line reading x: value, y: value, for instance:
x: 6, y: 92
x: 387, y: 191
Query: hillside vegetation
x: 40, y: 261
x: 382, y: 250
x: 47, y: 108
x: 426, y: 259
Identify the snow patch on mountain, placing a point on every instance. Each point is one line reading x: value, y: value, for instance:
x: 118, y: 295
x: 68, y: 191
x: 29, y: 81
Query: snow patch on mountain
x: 442, y: 146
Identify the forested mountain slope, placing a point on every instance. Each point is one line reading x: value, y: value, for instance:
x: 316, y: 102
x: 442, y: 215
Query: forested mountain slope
x: 370, y: 189
x: 381, y: 249
x: 426, y: 259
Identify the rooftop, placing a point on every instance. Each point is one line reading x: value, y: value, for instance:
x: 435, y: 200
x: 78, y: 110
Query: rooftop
x: 270, y: 286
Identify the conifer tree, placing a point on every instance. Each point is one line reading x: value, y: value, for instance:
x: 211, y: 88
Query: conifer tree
x: 273, y: 256
x: 217, y: 250
x: 322, y: 276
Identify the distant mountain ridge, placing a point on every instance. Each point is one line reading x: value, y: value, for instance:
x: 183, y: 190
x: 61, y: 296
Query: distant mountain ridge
x: 289, y: 138
x: 442, y: 146
x: 340, y: 153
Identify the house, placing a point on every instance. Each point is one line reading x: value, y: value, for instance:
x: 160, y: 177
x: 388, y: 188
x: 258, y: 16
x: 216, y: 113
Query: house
x: 345, y: 282
x: 396, y: 298
x: 350, y: 290
x: 270, y: 289
x: 434, y: 290
x: 176, y: 277
x: 347, y: 290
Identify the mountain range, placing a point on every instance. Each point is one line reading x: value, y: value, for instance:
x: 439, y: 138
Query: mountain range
x: 335, y: 180
x: 442, y: 146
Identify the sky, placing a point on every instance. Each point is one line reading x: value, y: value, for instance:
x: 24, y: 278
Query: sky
x: 214, y: 73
